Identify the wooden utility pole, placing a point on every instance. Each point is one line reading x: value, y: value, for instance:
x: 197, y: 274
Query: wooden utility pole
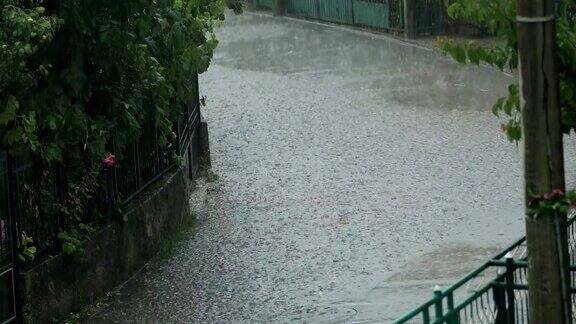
x: 548, y: 262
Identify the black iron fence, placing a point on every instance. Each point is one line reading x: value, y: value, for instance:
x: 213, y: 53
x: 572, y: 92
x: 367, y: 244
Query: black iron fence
x: 146, y: 161
x: 5, y: 246
x: 7, y: 288
x: 141, y: 164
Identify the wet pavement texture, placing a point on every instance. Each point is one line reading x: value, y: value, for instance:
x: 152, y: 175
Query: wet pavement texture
x: 356, y: 173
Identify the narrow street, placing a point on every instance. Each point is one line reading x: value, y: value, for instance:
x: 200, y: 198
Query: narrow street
x: 356, y: 172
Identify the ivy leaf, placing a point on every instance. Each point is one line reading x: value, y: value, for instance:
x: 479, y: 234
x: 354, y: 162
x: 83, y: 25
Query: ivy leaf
x: 9, y: 113
x: 508, y: 107
x: 14, y: 136
x: 51, y: 123
x: 498, y: 106
x: 514, y: 131
x: 453, y: 10
x: 68, y: 248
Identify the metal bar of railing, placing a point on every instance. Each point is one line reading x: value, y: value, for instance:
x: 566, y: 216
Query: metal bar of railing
x: 426, y: 316
x: 11, y: 169
x: 438, y: 313
x: 509, y: 279
x: 453, y: 318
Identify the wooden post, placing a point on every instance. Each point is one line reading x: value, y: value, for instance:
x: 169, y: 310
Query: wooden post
x: 548, y: 273
x: 409, y: 19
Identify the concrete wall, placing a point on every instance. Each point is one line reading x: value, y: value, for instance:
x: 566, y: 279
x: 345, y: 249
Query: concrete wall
x: 64, y: 284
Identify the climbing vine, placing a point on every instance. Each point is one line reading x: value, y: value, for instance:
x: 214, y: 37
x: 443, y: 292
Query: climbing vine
x: 499, y: 17
x: 76, y: 74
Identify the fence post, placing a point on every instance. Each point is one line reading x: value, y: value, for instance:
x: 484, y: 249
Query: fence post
x: 510, y: 267
x: 204, y: 143
x: 204, y: 138
x: 13, y: 213
x: 279, y: 7
x: 438, y: 304
x: 499, y: 295
x: 442, y: 20
x: 452, y: 316
x: 115, y: 189
x: 353, y: 20
x: 426, y: 316
x: 504, y: 294
x: 410, y: 19
x: 111, y: 191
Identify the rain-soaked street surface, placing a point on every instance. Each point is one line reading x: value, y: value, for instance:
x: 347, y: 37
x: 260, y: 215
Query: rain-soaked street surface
x: 356, y: 172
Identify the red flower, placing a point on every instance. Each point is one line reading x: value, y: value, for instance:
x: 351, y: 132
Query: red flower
x: 45, y: 173
x: 110, y: 160
x: 557, y: 194
x: 536, y: 199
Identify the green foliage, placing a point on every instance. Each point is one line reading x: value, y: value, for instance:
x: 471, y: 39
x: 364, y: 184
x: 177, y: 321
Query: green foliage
x: 26, y: 249
x: 81, y: 78
x: 499, y: 17
x: 72, y: 240
x: 49, y: 213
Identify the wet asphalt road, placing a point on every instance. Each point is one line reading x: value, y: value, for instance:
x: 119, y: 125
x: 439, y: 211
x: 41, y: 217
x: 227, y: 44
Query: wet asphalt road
x: 356, y: 173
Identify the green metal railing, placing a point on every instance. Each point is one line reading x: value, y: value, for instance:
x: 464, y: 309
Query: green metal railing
x: 496, y: 292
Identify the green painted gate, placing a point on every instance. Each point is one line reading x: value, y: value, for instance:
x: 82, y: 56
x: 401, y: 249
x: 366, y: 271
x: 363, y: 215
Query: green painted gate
x: 264, y: 3
x: 303, y: 8
x: 372, y: 13
x: 336, y: 11
x: 381, y: 14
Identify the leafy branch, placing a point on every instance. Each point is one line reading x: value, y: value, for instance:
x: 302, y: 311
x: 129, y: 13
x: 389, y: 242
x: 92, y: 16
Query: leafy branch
x: 499, y: 17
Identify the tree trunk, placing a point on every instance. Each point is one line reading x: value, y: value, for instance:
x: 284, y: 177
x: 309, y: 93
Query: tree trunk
x: 548, y: 273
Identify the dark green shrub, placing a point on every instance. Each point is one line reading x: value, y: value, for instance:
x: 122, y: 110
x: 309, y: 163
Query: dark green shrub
x: 79, y: 77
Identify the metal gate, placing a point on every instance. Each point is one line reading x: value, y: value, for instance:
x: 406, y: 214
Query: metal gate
x: 8, y: 309
x: 268, y: 4
x: 372, y: 13
x: 303, y: 8
x: 335, y: 11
